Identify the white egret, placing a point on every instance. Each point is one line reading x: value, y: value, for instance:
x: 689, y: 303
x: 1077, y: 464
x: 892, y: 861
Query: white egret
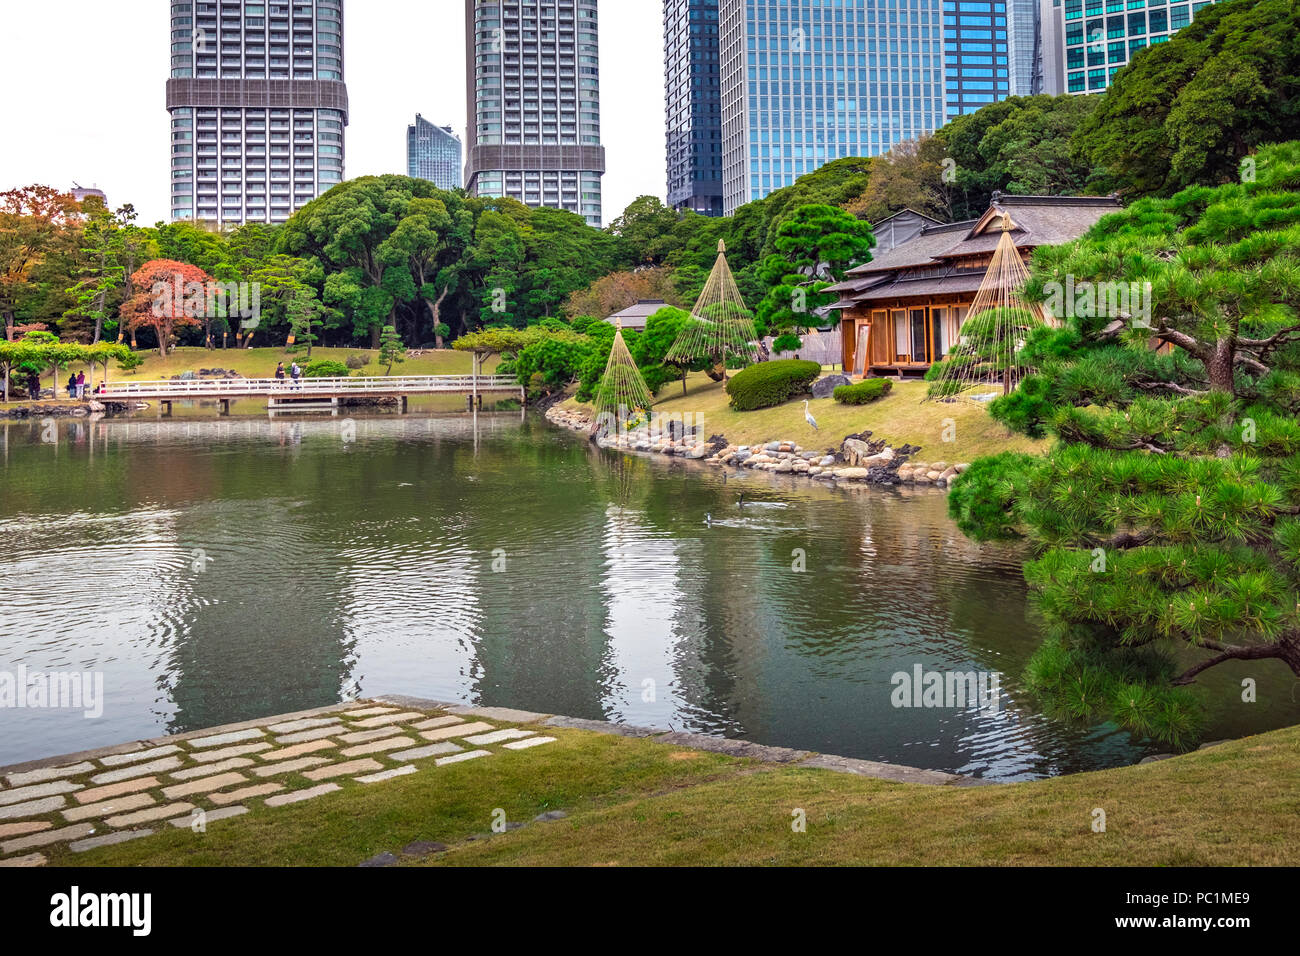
x: 807, y: 415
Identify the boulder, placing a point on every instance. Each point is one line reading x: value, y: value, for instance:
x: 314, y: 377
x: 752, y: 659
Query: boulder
x: 851, y: 474
x: 825, y: 388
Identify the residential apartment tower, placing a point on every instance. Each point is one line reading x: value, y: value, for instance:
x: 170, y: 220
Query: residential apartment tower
x: 533, y: 80
x: 258, y: 107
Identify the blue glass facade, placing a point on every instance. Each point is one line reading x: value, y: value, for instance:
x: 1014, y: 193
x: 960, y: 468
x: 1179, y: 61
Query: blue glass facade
x: 1101, y: 36
x: 975, y: 42
x: 433, y: 153
x: 693, y: 94
x: 805, y: 82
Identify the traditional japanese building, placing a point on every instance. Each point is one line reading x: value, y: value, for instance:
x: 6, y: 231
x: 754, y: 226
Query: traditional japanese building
x: 903, y: 311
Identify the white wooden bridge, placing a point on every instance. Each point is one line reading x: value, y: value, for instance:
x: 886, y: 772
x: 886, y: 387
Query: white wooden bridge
x: 305, y: 393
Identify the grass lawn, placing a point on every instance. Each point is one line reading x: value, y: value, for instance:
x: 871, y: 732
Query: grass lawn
x: 636, y: 802
x: 899, y: 418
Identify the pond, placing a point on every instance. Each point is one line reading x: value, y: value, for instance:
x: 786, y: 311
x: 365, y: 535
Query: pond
x: 221, y: 570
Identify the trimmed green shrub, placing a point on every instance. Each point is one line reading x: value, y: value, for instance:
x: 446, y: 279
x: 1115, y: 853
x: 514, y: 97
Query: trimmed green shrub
x: 771, y: 383
x: 789, y: 342
x: 863, y: 392
x: 326, y: 368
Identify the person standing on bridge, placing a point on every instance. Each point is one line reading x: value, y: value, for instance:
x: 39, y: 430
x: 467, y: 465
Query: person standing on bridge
x: 296, y: 374
x: 279, y: 372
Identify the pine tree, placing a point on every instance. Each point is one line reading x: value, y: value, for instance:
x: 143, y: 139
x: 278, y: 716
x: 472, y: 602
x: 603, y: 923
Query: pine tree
x: 1166, y: 519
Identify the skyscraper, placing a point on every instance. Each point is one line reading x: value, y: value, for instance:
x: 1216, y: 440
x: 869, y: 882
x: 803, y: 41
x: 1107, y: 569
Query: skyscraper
x: 533, y: 81
x: 258, y: 107
x: 1024, y: 47
x: 693, y: 94
x: 805, y: 82
x: 433, y: 153
x: 1101, y: 36
x: 976, y: 50
x: 1051, y: 66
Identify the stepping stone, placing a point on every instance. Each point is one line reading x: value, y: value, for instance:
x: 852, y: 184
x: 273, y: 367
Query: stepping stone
x: 136, y: 756
x: 387, y: 775
x: 498, y: 736
x: 248, y: 793
x: 23, y: 794
x: 96, y: 794
x: 288, y: 753
x: 50, y: 773
x: 369, y: 712
x: 293, y: 766
x: 36, y: 859
x: 344, y: 769
x: 378, y: 747
x: 445, y: 733
x: 389, y: 719
x: 460, y: 758
x: 33, y: 809
x: 383, y: 859
x: 226, y: 753
x: 530, y: 743
x: 109, y: 839
x: 362, y: 736
x: 306, y: 735
x: 221, y: 740
x: 8, y: 830
x: 120, y: 805
x: 142, y: 770
x: 550, y: 816
x: 150, y: 815
x: 193, y: 773
x: 423, y: 848
x: 205, y: 785
x: 437, y: 722
x: 46, y: 838
x: 210, y: 816
x: 309, y: 723
x: 421, y: 753
x: 301, y: 795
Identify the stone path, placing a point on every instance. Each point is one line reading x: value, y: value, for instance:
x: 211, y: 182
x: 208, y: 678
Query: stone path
x: 132, y: 792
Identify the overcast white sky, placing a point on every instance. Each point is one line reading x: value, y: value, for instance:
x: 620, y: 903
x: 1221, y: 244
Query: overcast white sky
x: 82, y: 92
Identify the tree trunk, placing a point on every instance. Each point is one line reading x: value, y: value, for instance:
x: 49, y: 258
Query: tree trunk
x: 1220, y: 367
x: 99, y: 318
x: 435, y: 308
x: 374, y: 337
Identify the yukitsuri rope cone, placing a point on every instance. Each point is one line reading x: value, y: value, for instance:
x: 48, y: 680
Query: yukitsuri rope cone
x: 720, y: 326
x: 983, y: 363
x: 622, y: 396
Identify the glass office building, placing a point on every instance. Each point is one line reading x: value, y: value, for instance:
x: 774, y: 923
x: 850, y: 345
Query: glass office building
x: 693, y: 96
x: 977, y: 71
x: 1101, y: 36
x: 258, y: 107
x: 433, y: 153
x: 533, y: 80
x: 805, y: 82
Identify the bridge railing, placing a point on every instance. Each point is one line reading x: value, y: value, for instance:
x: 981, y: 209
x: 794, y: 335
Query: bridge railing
x: 246, y: 387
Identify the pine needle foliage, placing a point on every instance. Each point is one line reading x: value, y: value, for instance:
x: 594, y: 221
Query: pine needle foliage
x: 1166, y: 519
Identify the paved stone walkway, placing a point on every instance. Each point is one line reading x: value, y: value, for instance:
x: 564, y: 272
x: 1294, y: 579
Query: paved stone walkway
x: 132, y: 792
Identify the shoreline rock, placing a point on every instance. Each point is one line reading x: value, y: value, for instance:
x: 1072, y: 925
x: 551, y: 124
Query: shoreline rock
x: 860, y: 460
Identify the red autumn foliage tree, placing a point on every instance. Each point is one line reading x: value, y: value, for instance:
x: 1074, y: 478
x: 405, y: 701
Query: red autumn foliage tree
x: 168, y: 294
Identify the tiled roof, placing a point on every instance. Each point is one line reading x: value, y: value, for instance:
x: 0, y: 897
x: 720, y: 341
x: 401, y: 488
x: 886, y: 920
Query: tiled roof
x: 1037, y: 221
